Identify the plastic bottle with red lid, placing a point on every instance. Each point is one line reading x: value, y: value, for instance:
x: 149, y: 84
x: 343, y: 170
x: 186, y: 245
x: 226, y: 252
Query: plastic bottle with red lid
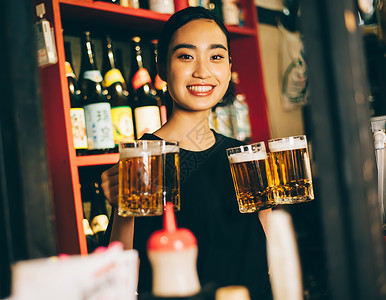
x: 173, y: 256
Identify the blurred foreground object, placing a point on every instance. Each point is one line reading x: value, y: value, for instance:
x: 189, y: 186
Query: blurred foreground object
x: 173, y: 256
x: 283, y: 258
x: 107, y: 274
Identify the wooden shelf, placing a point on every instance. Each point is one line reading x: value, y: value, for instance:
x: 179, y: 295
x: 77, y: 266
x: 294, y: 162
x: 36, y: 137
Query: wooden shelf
x: 77, y: 6
x: 104, y: 15
x: 102, y: 159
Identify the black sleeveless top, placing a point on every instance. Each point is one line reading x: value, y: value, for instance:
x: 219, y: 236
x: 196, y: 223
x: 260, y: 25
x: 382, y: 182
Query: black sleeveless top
x: 231, y: 245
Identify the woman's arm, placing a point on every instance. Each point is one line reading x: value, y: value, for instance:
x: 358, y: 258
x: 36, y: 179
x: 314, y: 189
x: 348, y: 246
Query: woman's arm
x: 123, y: 227
x: 123, y: 230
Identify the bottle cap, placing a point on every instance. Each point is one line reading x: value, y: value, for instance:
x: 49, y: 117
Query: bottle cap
x: 40, y: 10
x: 171, y: 238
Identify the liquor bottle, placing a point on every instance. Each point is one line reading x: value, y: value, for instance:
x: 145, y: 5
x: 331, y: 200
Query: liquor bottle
x: 224, y: 114
x: 121, y: 114
x: 130, y: 3
x: 231, y: 12
x: 216, y: 7
x: 45, y: 41
x: 203, y: 3
x: 241, y: 14
x: 76, y: 111
x: 146, y: 112
x: 98, y: 213
x: 160, y: 86
x: 373, y: 26
x: 90, y: 238
x: 241, y: 123
x: 97, y: 108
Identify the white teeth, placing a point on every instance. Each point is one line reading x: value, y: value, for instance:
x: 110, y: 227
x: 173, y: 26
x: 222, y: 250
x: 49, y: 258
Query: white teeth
x: 200, y: 88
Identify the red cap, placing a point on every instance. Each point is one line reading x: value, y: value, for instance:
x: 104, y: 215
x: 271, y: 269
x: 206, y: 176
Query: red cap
x: 171, y: 238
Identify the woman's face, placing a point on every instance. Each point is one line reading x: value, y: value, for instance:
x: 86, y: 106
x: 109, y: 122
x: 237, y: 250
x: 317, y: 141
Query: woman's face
x: 198, y: 70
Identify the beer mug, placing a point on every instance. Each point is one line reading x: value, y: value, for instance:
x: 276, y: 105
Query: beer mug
x: 291, y: 169
x: 140, y: 178
x: 252, y: 177
x: 171, y: 173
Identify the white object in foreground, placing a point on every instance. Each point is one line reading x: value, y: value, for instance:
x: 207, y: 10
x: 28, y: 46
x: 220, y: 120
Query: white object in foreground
x: 283, y: 257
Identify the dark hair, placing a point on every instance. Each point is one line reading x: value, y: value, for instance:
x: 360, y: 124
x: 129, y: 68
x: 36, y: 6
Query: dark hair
x: 176, y: 21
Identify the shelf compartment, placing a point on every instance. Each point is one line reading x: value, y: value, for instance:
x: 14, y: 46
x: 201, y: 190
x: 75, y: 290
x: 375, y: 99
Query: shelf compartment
x: 106, y: 16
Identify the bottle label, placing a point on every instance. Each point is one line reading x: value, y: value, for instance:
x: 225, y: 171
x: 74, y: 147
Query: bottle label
x: 86, y: 227
x: 162, y: 6
x: 78, y: 128
x: 113, y: 76
x: 203, y: 3
x: 122, y: 123
x: 99, y: 126
x: 68, y: 69
x: 241, y: 122
x: 99, y: 223
x: 159, y: 84
x: 140, y: 78
x: 224, y: 120
x: 231, y: 13
x: 147, y: 119
x: 93, y: 75
x: 130, y: 3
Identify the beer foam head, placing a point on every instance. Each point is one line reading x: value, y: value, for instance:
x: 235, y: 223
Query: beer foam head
x: 171, y: 149
x: 247, y: 156
x: 139, y: 152
x: 290, y: 143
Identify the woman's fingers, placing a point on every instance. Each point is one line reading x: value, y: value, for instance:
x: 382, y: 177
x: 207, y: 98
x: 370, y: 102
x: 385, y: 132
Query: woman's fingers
x: 110, y: 181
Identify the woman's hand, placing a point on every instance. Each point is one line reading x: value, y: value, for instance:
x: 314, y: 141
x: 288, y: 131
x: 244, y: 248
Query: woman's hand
x: 123, y: 227
x: 110, y: 181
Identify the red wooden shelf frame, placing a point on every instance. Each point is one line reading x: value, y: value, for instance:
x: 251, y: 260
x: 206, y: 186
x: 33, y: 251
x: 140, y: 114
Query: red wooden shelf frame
x: 62, y: 160
x: 101, y: 159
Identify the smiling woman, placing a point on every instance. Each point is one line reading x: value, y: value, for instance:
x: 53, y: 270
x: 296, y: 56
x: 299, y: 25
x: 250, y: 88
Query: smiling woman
x: 194, y: 59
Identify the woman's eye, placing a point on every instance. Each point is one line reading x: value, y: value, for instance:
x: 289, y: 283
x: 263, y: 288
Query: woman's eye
x: 185, y: 56
x: 217, y: 57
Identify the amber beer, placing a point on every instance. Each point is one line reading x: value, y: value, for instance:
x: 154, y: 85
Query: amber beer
x: 291, y: 169
x: 171, y: 182
x: 140, y: 178
x: 251, y: 177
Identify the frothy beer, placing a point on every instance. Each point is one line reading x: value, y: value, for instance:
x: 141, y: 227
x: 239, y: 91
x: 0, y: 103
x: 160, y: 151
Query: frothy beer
x: 171, y: 191
x: 251, y: 178
x: 140, y: 179
x: 290, y: 164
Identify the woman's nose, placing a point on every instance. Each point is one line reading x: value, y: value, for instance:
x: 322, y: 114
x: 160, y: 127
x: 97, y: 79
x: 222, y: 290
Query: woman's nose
x: 201, y: 69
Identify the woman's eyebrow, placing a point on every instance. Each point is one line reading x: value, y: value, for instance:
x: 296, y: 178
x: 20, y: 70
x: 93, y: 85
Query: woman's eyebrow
x: 179, y: 46
x: 216, y: 46
x: 190, y: 46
